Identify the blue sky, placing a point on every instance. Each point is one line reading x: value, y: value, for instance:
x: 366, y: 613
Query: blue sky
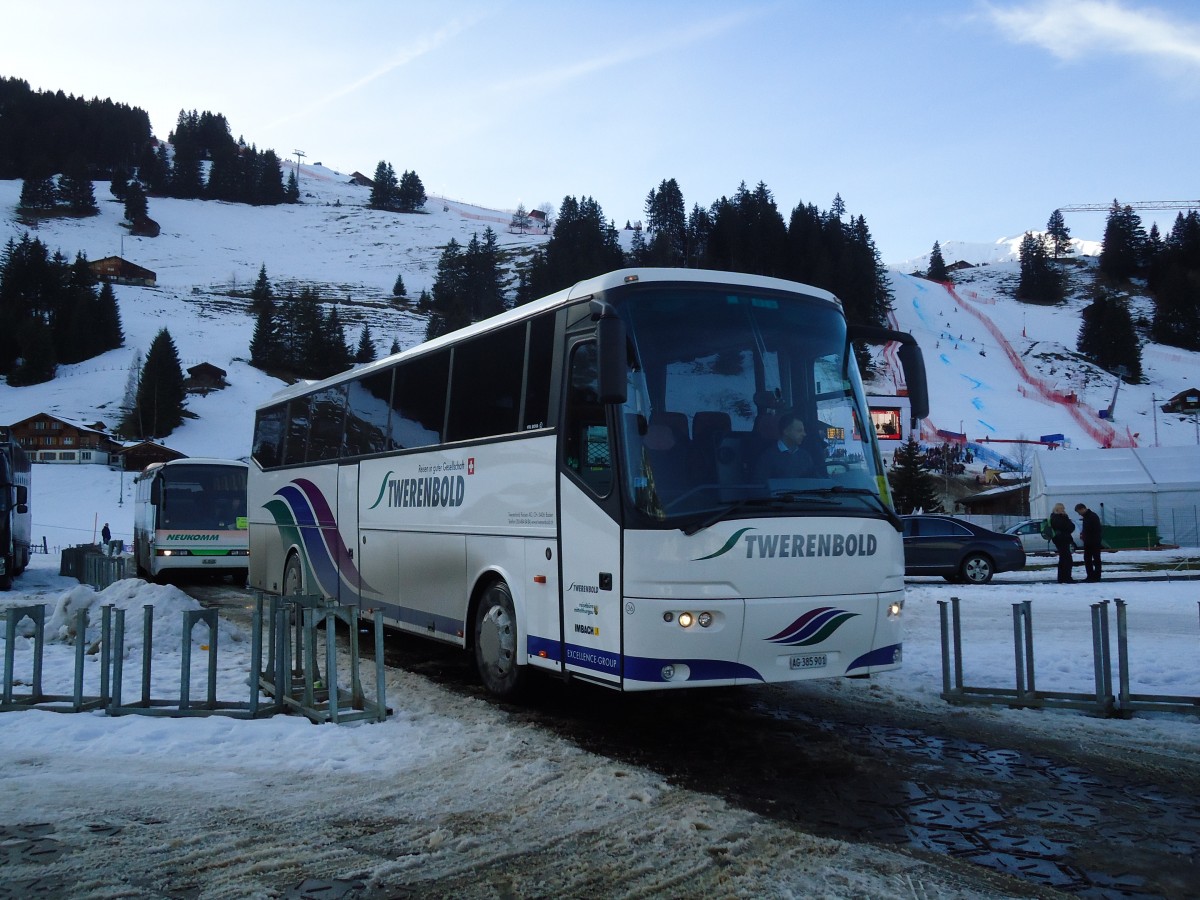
x: 935, y: 120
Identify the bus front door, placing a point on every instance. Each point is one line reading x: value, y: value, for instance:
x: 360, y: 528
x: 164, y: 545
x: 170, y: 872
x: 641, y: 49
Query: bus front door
x: 590, y: 535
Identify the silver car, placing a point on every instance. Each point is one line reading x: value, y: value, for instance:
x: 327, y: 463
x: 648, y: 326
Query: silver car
x: 1030, y: 533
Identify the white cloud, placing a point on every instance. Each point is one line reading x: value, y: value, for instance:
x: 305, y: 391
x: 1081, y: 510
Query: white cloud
x: 1072, y: 29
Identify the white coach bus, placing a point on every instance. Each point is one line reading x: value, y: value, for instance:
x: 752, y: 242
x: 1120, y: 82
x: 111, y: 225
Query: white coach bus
x: 578, y: 486
x: 190, y: 515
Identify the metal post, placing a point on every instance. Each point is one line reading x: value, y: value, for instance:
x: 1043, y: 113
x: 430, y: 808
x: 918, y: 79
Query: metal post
x: 255, y: 657
x: 147, y: 648
x: 945, y: 629
x: 212, y: 657
x: 1104, y: 637
x: 1122, y: 655
x: 1027, y: 613
x: 956, y: 624
x: 80, y: 639
x: 105, y: 651
x: 10, y: 635
x: 380, y: 702
x: 331, y: 684
x: 118, y: 660
x: 185, y: 664
x: 1018, y: 650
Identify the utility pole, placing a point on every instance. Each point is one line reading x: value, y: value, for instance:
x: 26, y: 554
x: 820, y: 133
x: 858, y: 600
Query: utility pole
x: 300, y: 154
x: 1154, y: 410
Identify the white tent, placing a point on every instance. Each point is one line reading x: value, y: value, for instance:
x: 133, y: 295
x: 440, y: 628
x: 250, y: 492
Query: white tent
x: 1138, y: 486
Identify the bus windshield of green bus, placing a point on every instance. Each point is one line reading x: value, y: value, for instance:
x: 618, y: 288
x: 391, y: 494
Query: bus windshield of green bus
x: 202, y: 497
x: 744, y: 402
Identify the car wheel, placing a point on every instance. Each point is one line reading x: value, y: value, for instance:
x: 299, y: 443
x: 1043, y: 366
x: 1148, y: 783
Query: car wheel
x: 977, y: 569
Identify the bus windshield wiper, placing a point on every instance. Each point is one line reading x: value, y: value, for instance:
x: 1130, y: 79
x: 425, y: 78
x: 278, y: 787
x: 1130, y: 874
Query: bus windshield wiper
x: 865, y: 493
x: 780, y: 500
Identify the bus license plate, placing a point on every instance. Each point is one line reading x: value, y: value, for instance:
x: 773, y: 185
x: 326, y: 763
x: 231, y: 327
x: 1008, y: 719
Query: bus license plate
x: 812, y: 661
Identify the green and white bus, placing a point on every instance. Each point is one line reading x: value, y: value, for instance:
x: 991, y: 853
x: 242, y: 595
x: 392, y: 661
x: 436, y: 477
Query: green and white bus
x: 189, y: 515
x: 575, y: 486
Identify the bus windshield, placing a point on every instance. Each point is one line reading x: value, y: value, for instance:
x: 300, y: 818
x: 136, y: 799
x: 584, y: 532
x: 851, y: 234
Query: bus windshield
x: 744, y: 402
x: 202, y: 497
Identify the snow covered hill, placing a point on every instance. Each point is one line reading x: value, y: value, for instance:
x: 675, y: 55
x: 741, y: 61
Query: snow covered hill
x: 998, y: 369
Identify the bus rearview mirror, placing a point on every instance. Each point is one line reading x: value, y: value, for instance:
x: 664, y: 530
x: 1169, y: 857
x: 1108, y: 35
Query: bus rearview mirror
x: 610, y: 340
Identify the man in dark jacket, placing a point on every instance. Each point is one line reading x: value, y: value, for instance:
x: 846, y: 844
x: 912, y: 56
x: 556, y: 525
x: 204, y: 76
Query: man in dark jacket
x: 1090, y: 533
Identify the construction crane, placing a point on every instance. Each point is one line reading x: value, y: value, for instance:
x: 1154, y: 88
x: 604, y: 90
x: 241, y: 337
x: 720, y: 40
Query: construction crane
x: 1139, y: 204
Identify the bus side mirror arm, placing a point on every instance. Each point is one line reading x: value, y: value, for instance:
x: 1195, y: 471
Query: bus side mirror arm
x: 911, y: 360
x: 610, y: 348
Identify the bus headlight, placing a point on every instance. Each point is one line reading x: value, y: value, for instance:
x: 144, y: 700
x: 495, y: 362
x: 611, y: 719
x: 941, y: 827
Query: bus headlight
x: 685, y: 619
x: 705, y: 619
x: 895, y: 608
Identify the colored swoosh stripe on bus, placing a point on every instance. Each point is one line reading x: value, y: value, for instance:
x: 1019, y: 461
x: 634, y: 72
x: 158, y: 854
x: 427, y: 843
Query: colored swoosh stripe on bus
x: 729, y: 544
x: 313, y: 523
x: 814, y: 626
x: 382, y: 487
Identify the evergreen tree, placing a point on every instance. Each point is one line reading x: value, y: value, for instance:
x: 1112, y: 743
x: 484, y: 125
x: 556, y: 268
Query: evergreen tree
x: 75, y: 190
x: 292, y: 194
x: 411, y: 193
x: 937, y: 265
x: 1174, y: 280
x: 1107, y: 336
x: 666, y: 225
x: 136, y: 205
x: 38, y: 192
x: 158, y: 409
x: 395, y: 348
x: 385, y: 192
x: 261, y: 293
x: 1040, y: 281
x: 398, y: 289
x: 1058, y: 234
x: 264, y: 344
x: 1122, y: 254
x: 334, y: 354
x: 583, y: 245
x: 107, y: 324
x: 366, y: 347
x: 37, y: 362
x: 119, y: 184
x: 913, y: 487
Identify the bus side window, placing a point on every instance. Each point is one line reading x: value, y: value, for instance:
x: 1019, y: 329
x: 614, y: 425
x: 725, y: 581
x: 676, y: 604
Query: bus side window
x: 587, y: 448
x: 268, y: 436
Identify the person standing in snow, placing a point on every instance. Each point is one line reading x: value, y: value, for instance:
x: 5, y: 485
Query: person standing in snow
x: 1090, y: 533
x: 106, y: 539
x: 1063, y: 528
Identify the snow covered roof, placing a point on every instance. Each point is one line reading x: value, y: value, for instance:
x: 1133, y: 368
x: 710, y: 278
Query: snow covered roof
x: 1118, y: 469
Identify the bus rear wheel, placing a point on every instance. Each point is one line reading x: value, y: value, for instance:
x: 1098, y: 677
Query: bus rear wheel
x: 293, y: 577
x: 496, y: 643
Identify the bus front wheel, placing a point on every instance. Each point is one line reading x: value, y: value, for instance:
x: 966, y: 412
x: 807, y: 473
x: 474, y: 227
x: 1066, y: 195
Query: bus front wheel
x: 496, y: 642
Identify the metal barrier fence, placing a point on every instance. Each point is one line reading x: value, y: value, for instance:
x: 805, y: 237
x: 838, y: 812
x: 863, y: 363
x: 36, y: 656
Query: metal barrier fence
x: 1101, y: 701
x: 292, y: 681
x: 89, y: 564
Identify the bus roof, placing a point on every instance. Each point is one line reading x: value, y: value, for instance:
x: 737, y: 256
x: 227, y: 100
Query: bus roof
x: 579, y: 291
x: 190, y: 461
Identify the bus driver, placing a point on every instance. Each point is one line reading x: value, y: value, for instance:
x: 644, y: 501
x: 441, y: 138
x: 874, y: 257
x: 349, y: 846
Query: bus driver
x: 787, y: 457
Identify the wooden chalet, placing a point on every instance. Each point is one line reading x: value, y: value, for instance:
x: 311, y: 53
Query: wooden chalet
x: 122, y: 271
x: 1183, y: 402
x: 205, y: 377
x: 50, y: 439
x: 361, y: 180
x: 136, y: 457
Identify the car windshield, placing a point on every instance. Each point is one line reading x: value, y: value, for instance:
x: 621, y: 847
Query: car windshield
x: 744, y: 403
